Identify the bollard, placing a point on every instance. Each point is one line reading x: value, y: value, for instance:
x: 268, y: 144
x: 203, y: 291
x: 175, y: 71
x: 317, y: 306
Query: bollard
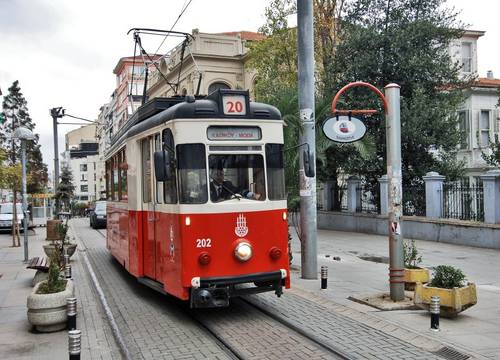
x: 324, y: 277
x: 71, y: 312
x: 67, y: 271
x: 66, y: 258
x: 434, y: 310
x: 74, y: 344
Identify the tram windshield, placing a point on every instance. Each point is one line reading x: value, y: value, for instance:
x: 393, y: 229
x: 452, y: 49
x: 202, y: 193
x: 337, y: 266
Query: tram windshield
x: 236, y: 176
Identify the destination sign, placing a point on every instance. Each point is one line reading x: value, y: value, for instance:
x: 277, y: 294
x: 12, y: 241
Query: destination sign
x: 233, y: 133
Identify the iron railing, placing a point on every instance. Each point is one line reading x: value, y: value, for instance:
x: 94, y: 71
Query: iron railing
x: 368, y: 199
x: 414, y: 200
x: 463, y: 201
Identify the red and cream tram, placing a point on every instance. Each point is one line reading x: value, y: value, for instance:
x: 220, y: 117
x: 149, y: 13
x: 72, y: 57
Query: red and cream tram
x: 196, y: 198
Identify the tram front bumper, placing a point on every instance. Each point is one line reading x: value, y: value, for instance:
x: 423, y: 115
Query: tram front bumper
x: 216, y: 291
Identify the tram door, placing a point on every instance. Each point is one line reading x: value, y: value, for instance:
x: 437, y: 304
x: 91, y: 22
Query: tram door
x: 148, y: 208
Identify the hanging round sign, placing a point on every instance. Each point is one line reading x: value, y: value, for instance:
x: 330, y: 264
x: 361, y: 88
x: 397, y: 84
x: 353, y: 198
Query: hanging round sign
x: 344, y: 129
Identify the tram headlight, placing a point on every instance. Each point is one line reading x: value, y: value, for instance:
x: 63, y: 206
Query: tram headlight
x: 275, y: 253
x: 204, y: 258
x: 243, y: 251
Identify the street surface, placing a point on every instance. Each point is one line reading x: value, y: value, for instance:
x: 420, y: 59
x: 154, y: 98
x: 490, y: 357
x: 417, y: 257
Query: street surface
x: 304, y: 323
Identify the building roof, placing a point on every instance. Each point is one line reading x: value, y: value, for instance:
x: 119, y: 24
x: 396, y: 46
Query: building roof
x: 474, y: 33
x: 130, y: 59
x: 245, y: 35
x: 487, y: 83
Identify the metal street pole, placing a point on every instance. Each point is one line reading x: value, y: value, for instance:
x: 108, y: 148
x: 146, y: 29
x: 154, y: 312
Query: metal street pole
x: 309, y: 259
x: 56, y: 113
x: 25, y: 197
x: 393, y: 135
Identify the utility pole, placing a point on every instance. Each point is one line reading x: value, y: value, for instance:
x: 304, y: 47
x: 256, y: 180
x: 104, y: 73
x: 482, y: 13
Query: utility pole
x: 308, y: 230
x: 393, y: 136
x: 56, y: 113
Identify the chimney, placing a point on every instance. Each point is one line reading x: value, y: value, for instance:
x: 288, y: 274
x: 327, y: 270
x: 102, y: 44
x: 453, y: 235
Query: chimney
x: 489, y: 74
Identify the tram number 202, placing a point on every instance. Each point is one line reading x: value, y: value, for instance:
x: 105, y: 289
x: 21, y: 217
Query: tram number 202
x: 203, y: 243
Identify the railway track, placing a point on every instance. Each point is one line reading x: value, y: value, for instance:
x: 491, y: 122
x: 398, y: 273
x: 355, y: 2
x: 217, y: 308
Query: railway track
x: 246, y: 330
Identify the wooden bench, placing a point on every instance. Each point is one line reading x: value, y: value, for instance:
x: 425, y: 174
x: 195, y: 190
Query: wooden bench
x: 39, y: 263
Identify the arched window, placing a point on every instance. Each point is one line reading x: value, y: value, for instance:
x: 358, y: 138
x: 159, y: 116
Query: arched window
x: 216, y: 86
x: 184, y: 92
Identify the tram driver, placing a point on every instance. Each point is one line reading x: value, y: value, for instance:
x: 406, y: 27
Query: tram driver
x: 221, y: 189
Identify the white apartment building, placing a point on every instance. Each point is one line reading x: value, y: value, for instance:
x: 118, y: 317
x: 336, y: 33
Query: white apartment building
x: 82, y: 157
x: 479, y: 115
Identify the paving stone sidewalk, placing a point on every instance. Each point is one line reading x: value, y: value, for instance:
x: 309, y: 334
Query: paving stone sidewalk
x: 150, y: 323
x: 17, y: 339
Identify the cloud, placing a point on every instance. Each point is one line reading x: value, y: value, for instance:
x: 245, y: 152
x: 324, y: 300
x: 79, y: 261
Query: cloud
x: 19, y: 18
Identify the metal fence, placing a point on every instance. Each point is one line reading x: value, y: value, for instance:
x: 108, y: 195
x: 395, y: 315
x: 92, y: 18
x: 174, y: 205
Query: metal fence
x: 414, y: 200
x: 463, y: 201
x: 368, y: 199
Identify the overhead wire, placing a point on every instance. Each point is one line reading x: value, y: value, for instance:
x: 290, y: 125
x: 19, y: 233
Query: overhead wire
x: 183, y: 9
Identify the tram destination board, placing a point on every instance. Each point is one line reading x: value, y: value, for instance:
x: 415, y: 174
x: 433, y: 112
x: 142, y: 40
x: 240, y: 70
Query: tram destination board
x: 233, y: 133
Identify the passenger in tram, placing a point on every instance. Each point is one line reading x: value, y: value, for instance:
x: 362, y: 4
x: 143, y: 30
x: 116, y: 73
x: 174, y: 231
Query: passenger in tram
x: 221, y: 189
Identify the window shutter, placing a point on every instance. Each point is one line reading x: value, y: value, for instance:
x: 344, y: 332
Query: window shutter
x: 470, y: 138
x: 496, y: 120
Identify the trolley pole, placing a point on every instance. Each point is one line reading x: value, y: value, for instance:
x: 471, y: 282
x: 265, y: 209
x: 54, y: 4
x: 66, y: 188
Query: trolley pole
x: 393, y: 135
x: 309, y: 259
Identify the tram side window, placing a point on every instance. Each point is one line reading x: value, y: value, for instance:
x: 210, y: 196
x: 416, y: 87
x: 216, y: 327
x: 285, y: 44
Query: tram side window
x: 123, y: 176
x: 108, y: 180
x: 191, y: 161
x: 116, y: 183
x: 146, y: 171
x: 275, y: 172
x: 159, y: 185
x: 170, y: 185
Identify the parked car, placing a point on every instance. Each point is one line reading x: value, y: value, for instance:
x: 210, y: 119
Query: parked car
x: 98, y: 215
x: 6, y: 216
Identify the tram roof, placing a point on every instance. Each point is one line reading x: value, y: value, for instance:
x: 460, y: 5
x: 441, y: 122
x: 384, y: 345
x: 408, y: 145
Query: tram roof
x: 158, y: 111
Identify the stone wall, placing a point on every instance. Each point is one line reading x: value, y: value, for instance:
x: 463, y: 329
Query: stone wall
x: 414, y: 227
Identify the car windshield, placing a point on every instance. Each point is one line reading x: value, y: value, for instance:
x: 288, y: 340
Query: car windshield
x: 100, y: 206
x: 7, y: 208
x: 236, y: 176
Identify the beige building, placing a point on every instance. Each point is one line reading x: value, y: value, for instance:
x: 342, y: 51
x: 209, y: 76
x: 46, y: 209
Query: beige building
x: 219, y: 59
x: 74, y: 137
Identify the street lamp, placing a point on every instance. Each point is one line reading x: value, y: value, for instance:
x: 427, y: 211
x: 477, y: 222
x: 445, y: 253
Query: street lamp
x: 24, y: 134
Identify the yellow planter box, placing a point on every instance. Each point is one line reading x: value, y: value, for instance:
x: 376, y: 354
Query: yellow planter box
x: 452, y: 301
x: 413, y: 276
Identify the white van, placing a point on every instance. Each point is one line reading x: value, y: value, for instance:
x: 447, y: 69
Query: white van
x: 6, y: 216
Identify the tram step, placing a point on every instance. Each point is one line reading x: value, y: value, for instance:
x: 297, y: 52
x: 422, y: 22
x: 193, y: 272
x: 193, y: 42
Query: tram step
x: 155, y: 285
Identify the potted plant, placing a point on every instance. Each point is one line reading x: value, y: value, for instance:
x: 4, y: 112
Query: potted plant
x: 449, y: 283
x: 47, y: 302
x: 62, y: 245
x: 413, y: 272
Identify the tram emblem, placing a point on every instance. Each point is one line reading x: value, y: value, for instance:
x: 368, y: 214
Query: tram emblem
x: 241, y: 229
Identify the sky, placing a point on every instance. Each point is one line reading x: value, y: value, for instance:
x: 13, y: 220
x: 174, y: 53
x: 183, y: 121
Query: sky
x: 63, y: 52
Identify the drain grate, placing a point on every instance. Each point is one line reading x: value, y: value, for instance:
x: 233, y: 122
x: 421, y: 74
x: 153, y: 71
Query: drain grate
x: 451, y: 354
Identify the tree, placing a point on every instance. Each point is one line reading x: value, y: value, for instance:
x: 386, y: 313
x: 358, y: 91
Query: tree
x: 405, y: 42
x: 15, y: 111
x: 65, y: 189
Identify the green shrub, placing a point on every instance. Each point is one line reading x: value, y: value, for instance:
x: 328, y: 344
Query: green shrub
x: 54, y: 283
x: 411, y: 257
x: 447, y: 277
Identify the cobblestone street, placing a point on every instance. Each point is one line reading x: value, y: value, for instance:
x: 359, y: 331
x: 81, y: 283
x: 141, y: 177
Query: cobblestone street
x: 121, y: 318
